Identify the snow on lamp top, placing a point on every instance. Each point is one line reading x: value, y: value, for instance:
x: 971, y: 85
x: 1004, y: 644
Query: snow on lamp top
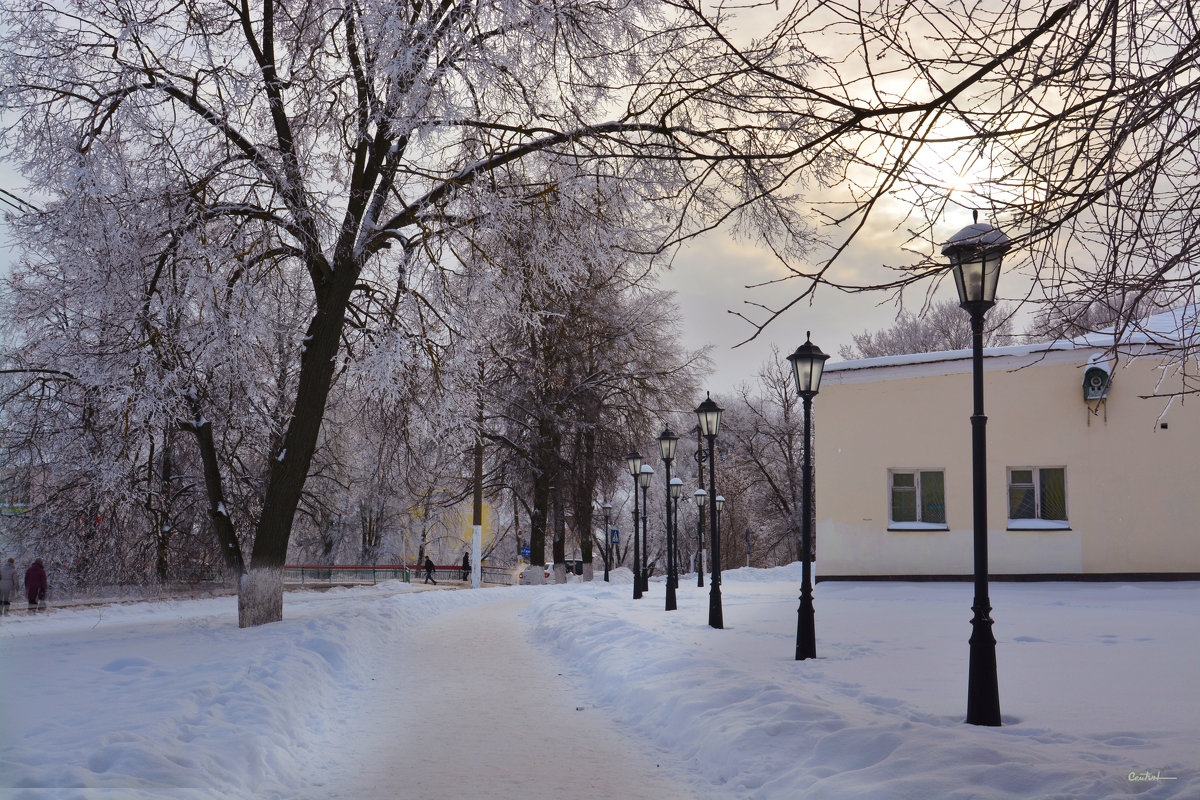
x: 975, y: 253
x: 646, y: 475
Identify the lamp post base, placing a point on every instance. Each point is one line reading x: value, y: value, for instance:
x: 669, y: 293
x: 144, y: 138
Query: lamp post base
x: 715, y: 617
x: 806, y: 628
x: 983, y: 693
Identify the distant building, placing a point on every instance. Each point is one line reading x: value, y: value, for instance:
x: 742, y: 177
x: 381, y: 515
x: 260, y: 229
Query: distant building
x: 1091, y: 469
x: 14, y: 495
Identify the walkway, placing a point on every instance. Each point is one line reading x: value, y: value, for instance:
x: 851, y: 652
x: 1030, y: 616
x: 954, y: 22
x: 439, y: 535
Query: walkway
x: 450, y: 741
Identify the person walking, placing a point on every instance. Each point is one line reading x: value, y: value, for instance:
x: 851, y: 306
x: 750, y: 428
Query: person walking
x: 8, y: 583
x: 466, y: 566
x: 36, y: 585
x: 429, y: 571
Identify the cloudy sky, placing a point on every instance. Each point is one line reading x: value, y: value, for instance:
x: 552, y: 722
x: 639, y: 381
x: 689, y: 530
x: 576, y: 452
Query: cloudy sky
x: 712, y: 276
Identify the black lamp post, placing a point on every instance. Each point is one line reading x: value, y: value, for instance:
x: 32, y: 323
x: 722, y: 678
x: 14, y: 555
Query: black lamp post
x: 644, y: 479
x: 634, y: 462
x: 709, y: 415
x: 975, y: 254
x: 607, y: 541
x: 666, y: 448
x: 808, y: 363
x: 700, y: 497
x: 675, y: 490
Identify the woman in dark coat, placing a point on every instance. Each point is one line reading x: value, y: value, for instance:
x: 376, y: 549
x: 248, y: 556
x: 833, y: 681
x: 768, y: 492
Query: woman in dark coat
x: 36, y: 584
x: 466, y: 566
x: 429, y: 571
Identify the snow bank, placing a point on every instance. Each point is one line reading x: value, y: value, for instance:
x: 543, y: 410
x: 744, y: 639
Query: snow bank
x: 1097, y: 686
x: 173, y: 696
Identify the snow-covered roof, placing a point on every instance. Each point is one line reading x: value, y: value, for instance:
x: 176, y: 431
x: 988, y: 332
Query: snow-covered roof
x: 1166, y: 329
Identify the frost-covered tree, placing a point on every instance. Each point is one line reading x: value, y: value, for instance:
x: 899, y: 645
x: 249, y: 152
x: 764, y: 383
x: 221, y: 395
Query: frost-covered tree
x: 941, y: 326
x: 389, y: 471
x: 322, y: 153
x: 763, y: 437
x: 108, y: 365
x: 1071, y: 319
x: 577, y: 349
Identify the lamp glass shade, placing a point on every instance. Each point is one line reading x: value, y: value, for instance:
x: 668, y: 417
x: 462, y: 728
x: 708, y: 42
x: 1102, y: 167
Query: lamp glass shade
x: 607, y: 507
x: 666, y: 444
x: 634, y: 462
x: 676, y: 486
x: 808, y: 364
x: 701, y: 497
x: 719, y: 502
x: 709, y: 415
x: 975, y: 254
x: 646, y: 476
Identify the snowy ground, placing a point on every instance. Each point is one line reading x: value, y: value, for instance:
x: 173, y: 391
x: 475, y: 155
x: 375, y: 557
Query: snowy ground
x: 577, y: 691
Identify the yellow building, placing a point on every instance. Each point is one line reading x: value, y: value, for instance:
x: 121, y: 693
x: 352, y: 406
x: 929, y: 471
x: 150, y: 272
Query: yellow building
x: 1091, y: 468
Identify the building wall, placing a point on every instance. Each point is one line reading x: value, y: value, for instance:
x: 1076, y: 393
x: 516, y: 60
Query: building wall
x: 1132, y: 487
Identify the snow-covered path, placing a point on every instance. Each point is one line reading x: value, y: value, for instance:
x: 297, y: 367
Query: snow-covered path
x: 382, y: 691
x: 438, y: 700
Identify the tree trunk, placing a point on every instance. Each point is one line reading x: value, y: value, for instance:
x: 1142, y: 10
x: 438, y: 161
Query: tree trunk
x: 162, y: 516
x: 543, y: 475
x: 260, y: 596
x: 582, y: 496
x: 371, y: 532
x: 560, y: 533
x: 218, y: 516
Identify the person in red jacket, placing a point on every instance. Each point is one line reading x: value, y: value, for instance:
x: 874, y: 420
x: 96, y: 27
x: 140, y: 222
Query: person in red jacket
x: 36, y: 585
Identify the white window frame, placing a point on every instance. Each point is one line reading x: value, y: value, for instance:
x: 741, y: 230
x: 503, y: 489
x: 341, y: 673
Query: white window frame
x: 1036, y: 523
x: 918, y: 525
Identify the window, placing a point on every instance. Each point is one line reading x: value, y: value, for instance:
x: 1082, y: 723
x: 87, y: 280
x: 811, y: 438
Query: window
x: 1037, y: 497
x: 918, y: 499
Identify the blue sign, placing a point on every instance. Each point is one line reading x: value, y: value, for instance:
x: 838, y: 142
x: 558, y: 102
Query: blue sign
x: 616, y: 536
x: 525, y: 551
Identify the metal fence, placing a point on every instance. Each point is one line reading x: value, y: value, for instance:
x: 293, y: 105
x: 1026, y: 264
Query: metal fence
x: 354, y: 574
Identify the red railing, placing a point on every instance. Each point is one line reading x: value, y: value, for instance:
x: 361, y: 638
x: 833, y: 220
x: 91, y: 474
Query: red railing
x: 373, y: 573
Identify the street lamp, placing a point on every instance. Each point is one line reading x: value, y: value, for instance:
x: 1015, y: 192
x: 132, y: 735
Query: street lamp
x: 644, y: 479
x: 700, y: 497
x: 634, y: 462
x: 607, y: 540
x: 709, y: 415
x: 666, y: 448
x: 975, y: 254
x: 676, y: 490
x: 808, y: 363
